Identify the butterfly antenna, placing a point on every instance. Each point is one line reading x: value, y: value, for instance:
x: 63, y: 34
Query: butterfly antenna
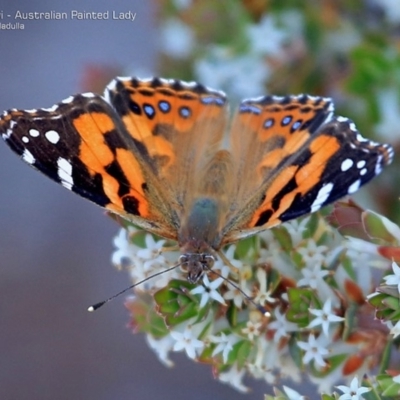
x: 96, y: 306
x: 260, y: 308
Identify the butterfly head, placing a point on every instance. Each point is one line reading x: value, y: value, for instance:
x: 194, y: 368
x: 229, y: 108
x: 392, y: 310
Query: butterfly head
x: 195, y: 264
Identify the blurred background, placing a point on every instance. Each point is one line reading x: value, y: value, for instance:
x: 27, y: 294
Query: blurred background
x: 55, y: 248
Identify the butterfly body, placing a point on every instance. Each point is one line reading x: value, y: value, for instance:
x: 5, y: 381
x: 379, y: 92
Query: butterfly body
x: 165, y: 155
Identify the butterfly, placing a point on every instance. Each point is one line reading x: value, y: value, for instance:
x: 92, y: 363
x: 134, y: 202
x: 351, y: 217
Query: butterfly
x: 167, y: 156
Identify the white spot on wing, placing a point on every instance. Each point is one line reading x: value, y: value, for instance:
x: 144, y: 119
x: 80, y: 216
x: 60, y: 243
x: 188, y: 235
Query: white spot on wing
x: 322, y: 196
x: 346, y: 164
x: 51, y: 109
x: 27, y: 156
x: 9, y: 132
x: 363, y: 171
x: 360, y: 138
x: 378, y: 166
x: 352, y: 126
x: 34, y: 132
x: 354, y: 187
x: 361, y: 164
x: 65, y: 173
x: 25, y: 139
x: 88, y: 95
x: 52, y: 136
x: 68, y: 100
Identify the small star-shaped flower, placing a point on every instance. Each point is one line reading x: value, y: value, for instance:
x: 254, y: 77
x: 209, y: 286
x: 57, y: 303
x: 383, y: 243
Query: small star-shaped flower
x: 208, y: 290
x: 292, y: 394
x: 394, y: 279
x: 314, y: 350
x: 234, y: 377
x: 281, y: 326
x: 313, y: 254
x: 252, y: 329
x: 186, y: 341
x: 395, y: 330
x: 125, y: 250
x: 263, y: 295
x: 162, y: 347
x: 324, y: 317
x: 224, y: 345
x: 312, y: 276
x: 354, y: 392
x: 152, y: 252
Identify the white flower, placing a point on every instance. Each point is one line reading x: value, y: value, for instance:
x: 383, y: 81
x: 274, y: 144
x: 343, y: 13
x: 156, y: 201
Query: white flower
x: 234, y: 378
x: 389, y: 105
x: 252, y: 329
x: 292, y: 394
x: 267, y: 37
x: 313, y: 254
x: 224, y: 345
x: 125, y: 249
x: 391, y: 8
x: 161, y: 347
x: 395, y: 330
x: 177, y: 39
x: 263, y: 295
x: 390, y: 226
x: 343, y: 39
x: 151, y: 254
x: 315, y: 349
x: 186, y: 341
x: 266, y: 359
x: 182, y: 4
x: 240, y: 76
x: 281, y: 326
x: 324, y: 317
x: 230, y: 255
x: 312, y: 277
x: 396, y: 379
x: 394, y: 279
x: 234, y: 294
x: 354, y: 392
x: 224, y: 270
x: 296, y: 229
x: 208, y: 290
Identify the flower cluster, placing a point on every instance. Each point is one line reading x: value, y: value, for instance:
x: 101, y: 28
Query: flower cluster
x: 309, y: 279
x: 312, y: 283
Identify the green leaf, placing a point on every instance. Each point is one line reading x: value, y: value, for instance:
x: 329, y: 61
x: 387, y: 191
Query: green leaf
x: 376, y: 228
x: 243, y: 352
x: 295, y: 352
x: 283, y: 237
x: 300, y: 300
x: 176, y: 303
x: 145, y: 319
x: 387, y: 386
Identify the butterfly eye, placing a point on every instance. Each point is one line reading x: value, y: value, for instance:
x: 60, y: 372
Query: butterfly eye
x: 209, y: 260
x: 183, y: 259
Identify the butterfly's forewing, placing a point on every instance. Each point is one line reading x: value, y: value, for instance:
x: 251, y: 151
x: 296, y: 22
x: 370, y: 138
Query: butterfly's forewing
x: 306, y: 158
x: 81, y: 144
